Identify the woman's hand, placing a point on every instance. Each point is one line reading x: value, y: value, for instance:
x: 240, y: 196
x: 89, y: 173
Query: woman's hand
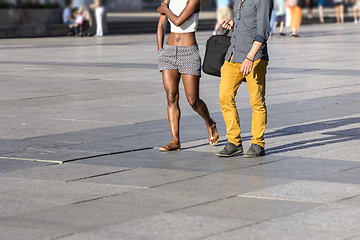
x: 228, y: 24
x: 162, y: 8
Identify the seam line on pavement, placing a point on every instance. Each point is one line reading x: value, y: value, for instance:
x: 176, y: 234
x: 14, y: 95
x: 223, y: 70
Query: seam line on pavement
x: 200, y: 204
x: 33, y: 160
x: 108, y: 154
x: 164, y: 184
x: 99, y: 175
x: 281, y: 199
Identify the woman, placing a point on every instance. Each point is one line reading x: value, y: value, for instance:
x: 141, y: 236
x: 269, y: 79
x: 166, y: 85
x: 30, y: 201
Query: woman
x: 180, y: 58
x: 99, y: 6
x: 356, y: 10
x: 295, y: 7
x: 321, y: 4
x: 339, y: 10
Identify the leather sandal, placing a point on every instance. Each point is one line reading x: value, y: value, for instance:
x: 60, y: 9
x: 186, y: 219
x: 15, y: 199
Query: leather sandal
x: 213, y: 135
x: 172, y: 146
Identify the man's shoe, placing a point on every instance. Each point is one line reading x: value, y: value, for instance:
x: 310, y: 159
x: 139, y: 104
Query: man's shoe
x: 254, y: 151
x: 230, y: 150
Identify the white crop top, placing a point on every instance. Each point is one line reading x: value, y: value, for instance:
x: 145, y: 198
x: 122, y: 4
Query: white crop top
x: 190, y: 25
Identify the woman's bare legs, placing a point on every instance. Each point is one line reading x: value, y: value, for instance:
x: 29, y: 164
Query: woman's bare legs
x: 171, y: 79
x: 321, y: 14
x: 339, y: 13
x: 191, y: 85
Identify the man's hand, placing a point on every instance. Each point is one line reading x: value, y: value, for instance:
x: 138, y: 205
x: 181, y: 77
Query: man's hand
x: 162, y: 8
x: 228, y: 24
x: 246, y: 67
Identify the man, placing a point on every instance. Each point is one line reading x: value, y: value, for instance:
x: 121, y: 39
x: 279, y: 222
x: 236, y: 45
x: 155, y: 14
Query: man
x: 67, y: 15
x: 246, y: 58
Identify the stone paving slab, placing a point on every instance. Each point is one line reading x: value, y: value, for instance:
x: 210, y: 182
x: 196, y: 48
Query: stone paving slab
x: 252, y: 211
x: 224, y: 185
x: 308, y: 191
x: 8, y: 165
x: 282, y: 231
x: 178, y: 226
x: 51, y: 155
x: 56, y: 191
x: 144, y: 177
x: 78, y: 217
x: 19, y: 233
x: 14, y: 207
x: 330, y: 217
x: 64, y: 172
x: 346, y: 176
x: 182, y: 160
x: 301, y: 168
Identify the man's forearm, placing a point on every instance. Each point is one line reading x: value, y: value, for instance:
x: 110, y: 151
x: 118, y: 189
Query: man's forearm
x: 254, y: 49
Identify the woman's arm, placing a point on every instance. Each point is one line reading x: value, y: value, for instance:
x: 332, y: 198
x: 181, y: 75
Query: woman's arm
x: 95, y: 4
x: 160, y: 32
x: 192, y: 6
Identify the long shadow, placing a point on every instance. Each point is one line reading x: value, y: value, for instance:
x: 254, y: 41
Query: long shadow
x: 335, y: 136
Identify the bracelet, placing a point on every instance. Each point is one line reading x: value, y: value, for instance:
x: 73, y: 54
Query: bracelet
x: 249, y: 59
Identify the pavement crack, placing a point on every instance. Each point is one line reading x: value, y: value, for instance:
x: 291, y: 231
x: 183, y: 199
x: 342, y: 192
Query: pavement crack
x: 95, y: 199
x: 99, y: 175
x: 181, y: 180
x: 200, y: 204
x: 63, y: 236
x: 108, y: 154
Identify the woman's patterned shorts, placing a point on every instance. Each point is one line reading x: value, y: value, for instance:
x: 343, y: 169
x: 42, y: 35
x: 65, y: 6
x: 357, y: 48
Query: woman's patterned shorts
x: 186, y: 59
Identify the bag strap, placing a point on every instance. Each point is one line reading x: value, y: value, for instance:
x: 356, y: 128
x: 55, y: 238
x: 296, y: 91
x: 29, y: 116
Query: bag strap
x: 165, y: 25
x: 226, y: 32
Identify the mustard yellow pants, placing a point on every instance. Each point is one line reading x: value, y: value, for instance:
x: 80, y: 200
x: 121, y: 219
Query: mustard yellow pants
x: 231, y: 78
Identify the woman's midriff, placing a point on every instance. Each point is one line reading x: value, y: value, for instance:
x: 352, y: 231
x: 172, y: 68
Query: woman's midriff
x: 182, y: 39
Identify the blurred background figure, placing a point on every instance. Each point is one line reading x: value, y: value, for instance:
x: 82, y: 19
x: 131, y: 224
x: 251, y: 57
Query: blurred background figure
x: 99, y: 6
x: 67, y: 14
x: 295, y: 7
x: 279, y: 7
x: 321, y: 4
x: 339, y: 9
x: 310, y: 5
x: 272, y: 17
x: 223, y: 11
x: 82, y: 22
x: 356, y: 11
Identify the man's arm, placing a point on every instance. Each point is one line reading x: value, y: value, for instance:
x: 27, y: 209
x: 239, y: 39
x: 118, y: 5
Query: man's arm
x: 262, y: 34
x: 247, y: 64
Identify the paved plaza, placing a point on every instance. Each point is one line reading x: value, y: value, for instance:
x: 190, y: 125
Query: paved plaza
x: 81, y: 121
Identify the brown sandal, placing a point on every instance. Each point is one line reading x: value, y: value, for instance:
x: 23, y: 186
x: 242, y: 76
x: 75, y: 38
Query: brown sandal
x: 172, y: 146
x: 213, y: 134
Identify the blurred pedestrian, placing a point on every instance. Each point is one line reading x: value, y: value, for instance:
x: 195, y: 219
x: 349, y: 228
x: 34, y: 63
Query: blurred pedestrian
x: 321, y: 4
x: 339, y: 9
x: 279, y: 7
x: 295, y: 7
x: 180, y: 58
x: 223, y: 11
x: 99, y: 6
x: 356, y: 11
x: 247, y: 58
x: 272, y: 17
x: 310, y: 5
x: 67, y: 14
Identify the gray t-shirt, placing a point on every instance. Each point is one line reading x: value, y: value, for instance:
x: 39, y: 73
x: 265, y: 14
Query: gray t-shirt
x: 251, y: 23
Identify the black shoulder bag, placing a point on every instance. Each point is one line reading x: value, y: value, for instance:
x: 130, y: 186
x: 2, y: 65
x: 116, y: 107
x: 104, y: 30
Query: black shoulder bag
x: 216, y: 48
